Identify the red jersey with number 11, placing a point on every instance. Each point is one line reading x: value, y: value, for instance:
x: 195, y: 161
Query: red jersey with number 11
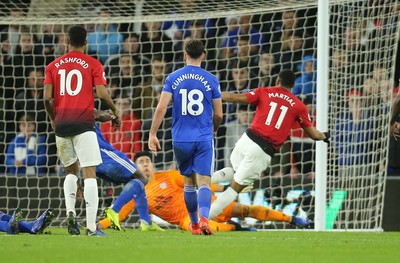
x: 276, y: 113
x: 73, y: 77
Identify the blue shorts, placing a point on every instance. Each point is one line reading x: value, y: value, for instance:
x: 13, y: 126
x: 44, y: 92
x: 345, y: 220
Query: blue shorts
x: 116, y: 167
x: 195, y: 157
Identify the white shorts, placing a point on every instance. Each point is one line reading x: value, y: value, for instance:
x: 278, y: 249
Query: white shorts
x: 248, y: 160
x: 83, y: 147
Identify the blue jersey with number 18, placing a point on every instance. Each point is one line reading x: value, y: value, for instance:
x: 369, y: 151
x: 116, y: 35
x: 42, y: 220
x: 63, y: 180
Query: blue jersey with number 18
x: 193, y: 90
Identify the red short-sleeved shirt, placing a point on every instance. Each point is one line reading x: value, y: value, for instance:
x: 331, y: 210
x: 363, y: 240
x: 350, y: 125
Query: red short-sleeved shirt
x: 276, y: 113
x: 73, y: 77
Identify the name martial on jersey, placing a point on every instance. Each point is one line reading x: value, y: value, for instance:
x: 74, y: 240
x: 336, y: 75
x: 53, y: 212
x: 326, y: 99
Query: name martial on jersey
x: 282, y: 96
x: 78, y: 61
x: 193, y: 76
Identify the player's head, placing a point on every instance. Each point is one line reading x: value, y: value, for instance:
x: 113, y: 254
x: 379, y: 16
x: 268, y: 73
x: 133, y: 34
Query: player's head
x: 194, y: 48
x: 286, y: 78
x: 77, y: 36
x: 144, y: 161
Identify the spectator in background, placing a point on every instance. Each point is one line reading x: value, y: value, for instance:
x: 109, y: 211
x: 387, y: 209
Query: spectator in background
x: 177, y: 30
x: 164, y: 160
x: 267, y: 73
x: 303, y: 147
x: 130, y: 46
x: 282, y: 31
x: 354, y: 53
x: 306, y: 83
x: 292, y: 54
x: 244, y: 28
x: 26, y: 153
x: 25, y: 58
x: 352, y: 137
x: 105, y: 41
x: 61, y: 47
x: 11, y: 35
x: 243, y: 56
x: 31, y: 100
x: 241, y: 83
x: 16, y: 70
x: 128, y: 138
x: 154, y: 42
x: 50, y: 36
x: 128, y: 76
x: 89, y: 8
x: 235, y: 129
x: 144, y: 95
x: 196, y: 30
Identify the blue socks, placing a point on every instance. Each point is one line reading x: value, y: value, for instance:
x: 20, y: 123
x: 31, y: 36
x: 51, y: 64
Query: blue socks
x: 204, y: 196
x: 134, y: 189
x: 191, y: 198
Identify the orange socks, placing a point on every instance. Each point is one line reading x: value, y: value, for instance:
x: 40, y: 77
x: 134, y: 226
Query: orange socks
x: 264, y: 213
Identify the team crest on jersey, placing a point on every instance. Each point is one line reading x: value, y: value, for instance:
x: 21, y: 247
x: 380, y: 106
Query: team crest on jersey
x: 163, y: 185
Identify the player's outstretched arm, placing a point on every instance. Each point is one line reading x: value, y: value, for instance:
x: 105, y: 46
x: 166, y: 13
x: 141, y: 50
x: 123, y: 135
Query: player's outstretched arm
x: 158, y: 117
x: 233, y: 97
x: 103, y: 116
x: 316, y: 135
x: 103, y: 95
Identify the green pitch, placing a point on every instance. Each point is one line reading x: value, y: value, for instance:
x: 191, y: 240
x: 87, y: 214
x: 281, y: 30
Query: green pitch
x: 178, y: 246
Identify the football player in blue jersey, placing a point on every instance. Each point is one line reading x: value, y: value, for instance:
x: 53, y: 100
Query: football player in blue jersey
x: 196, y: 115
x: 119, y: 169
x: 12, y: 224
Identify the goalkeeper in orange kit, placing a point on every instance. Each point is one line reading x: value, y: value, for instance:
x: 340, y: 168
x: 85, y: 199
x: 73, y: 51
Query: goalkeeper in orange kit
x: 165, y: 198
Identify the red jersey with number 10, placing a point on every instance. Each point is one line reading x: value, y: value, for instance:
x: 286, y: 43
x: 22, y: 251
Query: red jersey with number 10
x: 276, y: 113
x: 73, y: 77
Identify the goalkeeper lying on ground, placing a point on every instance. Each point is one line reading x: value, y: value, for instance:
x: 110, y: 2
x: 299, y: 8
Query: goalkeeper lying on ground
x: 165, y: 199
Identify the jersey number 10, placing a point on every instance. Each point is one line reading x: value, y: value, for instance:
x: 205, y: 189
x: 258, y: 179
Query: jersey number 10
x: 189, y: 101
x: 65, y: 82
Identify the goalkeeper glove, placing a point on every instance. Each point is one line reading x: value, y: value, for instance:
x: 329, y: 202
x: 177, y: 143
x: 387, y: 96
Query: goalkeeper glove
x: 327, y: 137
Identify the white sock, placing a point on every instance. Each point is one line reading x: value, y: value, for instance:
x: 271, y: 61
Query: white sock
x: 70, y: 188
x: 223, y: 175
x: 222, y: 201
x: 91, y: 196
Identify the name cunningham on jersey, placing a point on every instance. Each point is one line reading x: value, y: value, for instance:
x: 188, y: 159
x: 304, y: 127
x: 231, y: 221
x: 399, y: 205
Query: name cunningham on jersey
x: 198, y: 77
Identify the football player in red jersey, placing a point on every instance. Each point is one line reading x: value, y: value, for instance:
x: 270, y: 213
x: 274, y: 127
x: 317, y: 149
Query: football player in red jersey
x: 277, y: 110
x: 69, y: 102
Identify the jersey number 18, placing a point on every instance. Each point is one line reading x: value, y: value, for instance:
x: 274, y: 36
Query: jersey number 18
x: 189, y: 101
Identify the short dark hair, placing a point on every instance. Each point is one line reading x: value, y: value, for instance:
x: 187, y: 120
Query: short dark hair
x: 77, y: 36
x: 287, y: 78
x: 141, y: 154
x: 194, y: 48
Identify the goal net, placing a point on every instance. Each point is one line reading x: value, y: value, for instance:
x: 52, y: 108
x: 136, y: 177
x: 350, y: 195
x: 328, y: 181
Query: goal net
x: 247, y: 44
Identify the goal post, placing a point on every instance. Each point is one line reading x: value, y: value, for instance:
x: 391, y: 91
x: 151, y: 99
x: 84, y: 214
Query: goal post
x: 348, y: 82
